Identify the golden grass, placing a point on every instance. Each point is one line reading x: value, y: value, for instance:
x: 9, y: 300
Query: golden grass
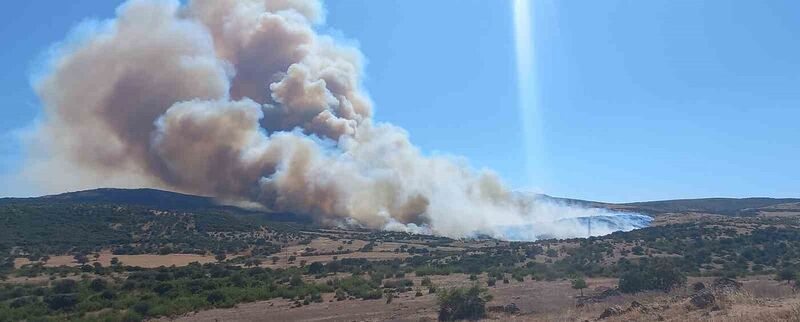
x: 146, y: 261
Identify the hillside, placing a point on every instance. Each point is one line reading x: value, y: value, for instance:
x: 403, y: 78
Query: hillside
x: 139, y: 255
x: 167, y: 200
x: 151, y: 199
x: 716, y: 206
x: 720, y: 206
x: 144, y: 197
x: 155, y: 220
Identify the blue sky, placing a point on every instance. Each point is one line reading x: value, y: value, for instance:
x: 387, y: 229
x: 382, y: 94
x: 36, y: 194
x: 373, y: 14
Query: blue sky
x: 636, y: 100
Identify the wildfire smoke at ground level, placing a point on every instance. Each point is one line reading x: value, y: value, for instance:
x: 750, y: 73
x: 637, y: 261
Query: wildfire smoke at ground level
x: 245, y: 101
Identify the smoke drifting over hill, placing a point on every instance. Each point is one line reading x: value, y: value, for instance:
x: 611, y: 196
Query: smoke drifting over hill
x: 243, y: 100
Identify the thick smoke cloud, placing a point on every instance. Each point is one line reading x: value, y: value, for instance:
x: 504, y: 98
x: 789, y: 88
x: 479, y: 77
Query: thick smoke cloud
x: 243, y: 100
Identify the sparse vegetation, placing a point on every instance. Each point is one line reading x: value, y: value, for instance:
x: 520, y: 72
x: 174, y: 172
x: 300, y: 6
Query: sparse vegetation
x: 258, y: 259
x: 463, y: 303
x: 650, y: 275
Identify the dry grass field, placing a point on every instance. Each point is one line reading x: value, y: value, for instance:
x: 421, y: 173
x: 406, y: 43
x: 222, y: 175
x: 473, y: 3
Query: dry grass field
x: 145, y: 261
x: 760, y: 299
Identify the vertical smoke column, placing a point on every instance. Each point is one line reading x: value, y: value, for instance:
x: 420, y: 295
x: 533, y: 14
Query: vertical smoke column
x: 526, y: 89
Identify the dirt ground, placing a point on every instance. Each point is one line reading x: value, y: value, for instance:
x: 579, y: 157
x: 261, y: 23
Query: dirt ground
x: 762, y: 300
x: 532, y: 298
x: 284, y: 258
x: 146, y: 261
x: 325, y: 247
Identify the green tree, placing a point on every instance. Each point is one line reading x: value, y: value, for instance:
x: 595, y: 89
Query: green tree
x: 786, y: 274
x: 316, y: 268
x: 579, y: 284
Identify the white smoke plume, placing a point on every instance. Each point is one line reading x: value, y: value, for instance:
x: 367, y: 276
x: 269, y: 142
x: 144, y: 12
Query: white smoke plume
x: 243, y: 100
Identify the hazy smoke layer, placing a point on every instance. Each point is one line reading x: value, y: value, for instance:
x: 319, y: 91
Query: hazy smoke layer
x: 243, y: 100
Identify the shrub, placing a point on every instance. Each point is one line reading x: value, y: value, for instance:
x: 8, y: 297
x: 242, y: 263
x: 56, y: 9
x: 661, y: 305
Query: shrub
x: 65, y: 286
x: 426, y: 281
x: 373, y: 295
x: 296, y: 280
x: 650, y: 276
x: 252, y: 262
x: 162, y: 288
x: 215, y: 297
x: 81, y: 258
x: 316, y: 268
x: 141, y: 307
x: 463, y: 303
x: 340, y: 295
x: 398, y: 283
x: 22, y: 301
x: 61, y: 301
x: 98, y: 285
x: 108, y: 295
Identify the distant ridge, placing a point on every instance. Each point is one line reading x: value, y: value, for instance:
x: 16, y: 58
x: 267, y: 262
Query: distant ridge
x: 722, y: 206
x: 142, y: 197
x: 719, y: 206
x: 150, y: 198
x: 167, y: 200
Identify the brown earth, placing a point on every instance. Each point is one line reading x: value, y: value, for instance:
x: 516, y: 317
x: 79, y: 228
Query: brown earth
x: 761, y: 299
x: 146, y: 261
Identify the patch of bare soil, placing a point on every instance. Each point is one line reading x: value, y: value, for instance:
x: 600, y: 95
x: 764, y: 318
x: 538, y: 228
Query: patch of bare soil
x: 146, y: 261
x: 324, y: 250
x: 531, y: 297
x: 758, y: 299
x: 283, y: 261
x: 681, y: 218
